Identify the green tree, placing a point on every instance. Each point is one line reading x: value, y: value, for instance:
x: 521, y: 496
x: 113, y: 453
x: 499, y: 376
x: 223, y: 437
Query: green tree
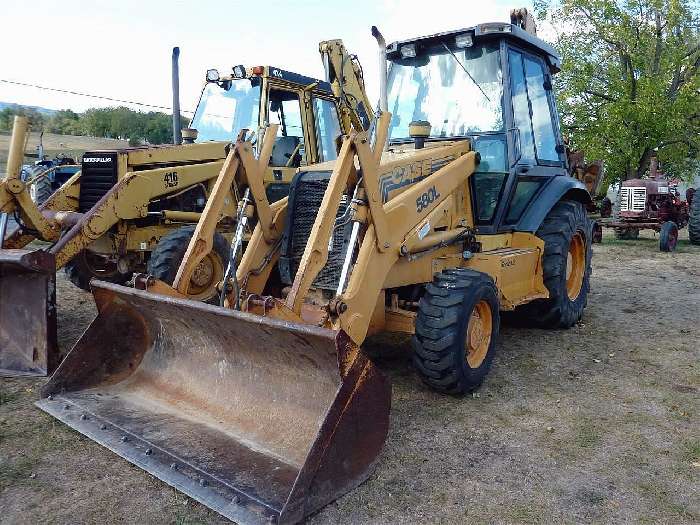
x: 65, y: 122
x: 630, y: 81
x: 120, y: 122
x: 7, y: 117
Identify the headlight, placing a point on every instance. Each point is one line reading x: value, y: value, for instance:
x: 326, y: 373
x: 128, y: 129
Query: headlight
x: 464, y: 40
x: 238, y: 71
x: 212, y: 75
x: 408, y: 50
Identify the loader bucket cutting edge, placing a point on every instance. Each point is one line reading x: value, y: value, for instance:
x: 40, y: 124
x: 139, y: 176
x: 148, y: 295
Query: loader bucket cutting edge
x: 253, y: 417
x: 27, y: 313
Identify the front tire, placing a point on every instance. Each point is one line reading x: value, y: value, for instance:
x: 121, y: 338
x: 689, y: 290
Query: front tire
x: 456, y: 330
x: 668, y: 236
x: 566, y: 263
x: 168, y: 254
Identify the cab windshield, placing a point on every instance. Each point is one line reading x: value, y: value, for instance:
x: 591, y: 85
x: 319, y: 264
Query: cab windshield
x: 225, y: 109
x: 435, y: 87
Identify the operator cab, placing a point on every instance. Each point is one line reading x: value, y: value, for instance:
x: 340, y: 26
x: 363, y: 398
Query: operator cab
x: 490, y: 84
x: 251, y: 98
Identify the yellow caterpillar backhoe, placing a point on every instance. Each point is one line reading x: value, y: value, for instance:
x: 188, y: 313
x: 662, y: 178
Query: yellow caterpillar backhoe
x: 134, y: 209
x: 266, y: 409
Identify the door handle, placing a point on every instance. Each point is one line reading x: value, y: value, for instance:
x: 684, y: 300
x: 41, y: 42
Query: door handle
x: 522, y: 169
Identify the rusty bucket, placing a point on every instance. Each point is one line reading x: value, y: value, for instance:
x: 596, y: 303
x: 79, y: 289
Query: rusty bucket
x: 262, y: 420
x: 27, y: 313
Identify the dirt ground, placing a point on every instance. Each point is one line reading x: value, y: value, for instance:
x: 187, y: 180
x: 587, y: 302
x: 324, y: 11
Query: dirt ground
x: 597, y: 424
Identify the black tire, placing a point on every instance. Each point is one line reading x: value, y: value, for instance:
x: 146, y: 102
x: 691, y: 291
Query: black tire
x: 166, y: 258
x: 440, y: 342
x: 86, y: 266
x: 565, y: 227
x: 626, y: 234
x: 42, y: 188
x: 668, y: 236
x: 694, y: 219
x: 596, y: 233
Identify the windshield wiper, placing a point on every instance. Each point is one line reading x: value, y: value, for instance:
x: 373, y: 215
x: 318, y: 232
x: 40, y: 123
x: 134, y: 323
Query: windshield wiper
x: 465, y: 70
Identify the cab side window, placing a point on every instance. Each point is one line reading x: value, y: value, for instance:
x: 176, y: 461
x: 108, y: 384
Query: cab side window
x: 542, y: 121
x: 285, y: 110
x: 521, y: 107
x: 532, y: 113
x: 327, y: 128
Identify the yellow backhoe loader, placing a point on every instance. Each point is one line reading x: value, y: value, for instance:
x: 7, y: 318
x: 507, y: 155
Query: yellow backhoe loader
x: 125, y: 210
x: 266, y: 409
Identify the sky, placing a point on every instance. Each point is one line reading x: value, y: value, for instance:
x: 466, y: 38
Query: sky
x: 122, y: 48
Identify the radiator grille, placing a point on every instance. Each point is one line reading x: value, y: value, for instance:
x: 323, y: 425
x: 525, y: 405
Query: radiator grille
x: 305, y: 200
x: 99, y: 175
x: 633, y: 199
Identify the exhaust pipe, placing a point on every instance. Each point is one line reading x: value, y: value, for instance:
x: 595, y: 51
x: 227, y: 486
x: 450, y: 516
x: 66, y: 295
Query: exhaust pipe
x: 383, y: 100
x: 177, y: 129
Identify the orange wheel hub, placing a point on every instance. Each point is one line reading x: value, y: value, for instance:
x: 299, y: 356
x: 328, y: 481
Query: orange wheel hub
x: 479, y: 332
x: 575, y: 265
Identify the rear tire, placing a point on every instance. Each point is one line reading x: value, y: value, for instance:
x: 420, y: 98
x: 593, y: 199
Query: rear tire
x: 456, y: 330
x: 87, y: 265
x: 694, y: 219
x: 166, y: 258
x: 566, y: 232
x: 668, y: 236
x: 626, y: 234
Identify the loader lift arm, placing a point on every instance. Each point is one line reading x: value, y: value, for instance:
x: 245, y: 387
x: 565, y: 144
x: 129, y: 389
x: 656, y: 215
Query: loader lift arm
x: 391, y: 230
x: 239, y: 158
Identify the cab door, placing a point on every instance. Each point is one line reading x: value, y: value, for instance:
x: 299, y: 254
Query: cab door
x: 326, y: 127
x: 537, y: 154
x: 283, y: 106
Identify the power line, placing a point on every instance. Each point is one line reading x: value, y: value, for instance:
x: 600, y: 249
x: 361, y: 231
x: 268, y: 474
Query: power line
x: 69, y: 92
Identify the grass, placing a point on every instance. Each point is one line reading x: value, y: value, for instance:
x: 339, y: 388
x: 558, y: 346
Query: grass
x: 16, y: 472
x: 525, y: 514
x: 663, y: 502
x: 690, y: 450
x: 587, y: 435
x: 7, y: 397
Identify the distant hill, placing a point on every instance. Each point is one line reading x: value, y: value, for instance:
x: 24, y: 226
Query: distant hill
x: 44, y: 111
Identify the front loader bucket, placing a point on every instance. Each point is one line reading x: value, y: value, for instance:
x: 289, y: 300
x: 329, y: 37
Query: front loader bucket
x: 262, y: 420
x: 27, y: 313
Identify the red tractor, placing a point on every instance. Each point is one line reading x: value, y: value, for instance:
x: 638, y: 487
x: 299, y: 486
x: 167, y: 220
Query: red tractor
x: 651, y: 204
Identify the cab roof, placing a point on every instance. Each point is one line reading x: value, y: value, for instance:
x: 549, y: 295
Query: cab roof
x: 485, y: 32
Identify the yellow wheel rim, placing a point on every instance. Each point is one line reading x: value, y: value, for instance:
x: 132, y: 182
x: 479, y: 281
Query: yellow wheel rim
x: 575, y: 265
x: 479, y: 332
x: 208, y: 273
